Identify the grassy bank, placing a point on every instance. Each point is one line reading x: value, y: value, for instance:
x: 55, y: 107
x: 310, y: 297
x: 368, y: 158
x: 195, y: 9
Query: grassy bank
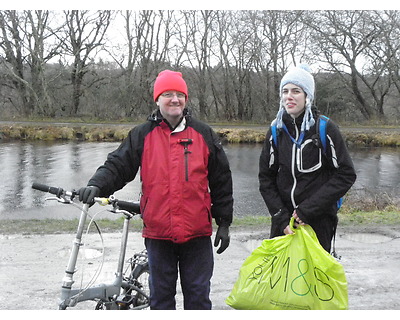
x: 50, y: 226
x: 110, y: 132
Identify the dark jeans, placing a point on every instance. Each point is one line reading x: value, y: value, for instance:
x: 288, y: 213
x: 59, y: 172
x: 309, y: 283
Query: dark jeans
x: 195, y: 262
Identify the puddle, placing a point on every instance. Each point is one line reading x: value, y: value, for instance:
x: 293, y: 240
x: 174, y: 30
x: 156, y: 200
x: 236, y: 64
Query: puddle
x: 251, y: 245
x: 91, y: 253
x: 86, y: 253
x: 367, y: 237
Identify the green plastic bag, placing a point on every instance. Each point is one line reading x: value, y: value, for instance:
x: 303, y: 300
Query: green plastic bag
x: 290, y: 272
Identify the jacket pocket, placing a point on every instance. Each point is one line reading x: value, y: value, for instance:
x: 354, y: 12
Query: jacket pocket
x: 308, y: 157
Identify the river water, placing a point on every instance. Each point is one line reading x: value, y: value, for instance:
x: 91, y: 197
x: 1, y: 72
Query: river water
x: 71, y: 164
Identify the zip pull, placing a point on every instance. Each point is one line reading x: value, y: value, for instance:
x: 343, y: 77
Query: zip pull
x: 185, y: 143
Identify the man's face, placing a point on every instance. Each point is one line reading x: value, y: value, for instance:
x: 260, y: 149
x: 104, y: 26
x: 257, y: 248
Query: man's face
x: 171, y: 104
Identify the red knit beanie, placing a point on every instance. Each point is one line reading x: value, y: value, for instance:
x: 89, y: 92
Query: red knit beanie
x: 169, y: 80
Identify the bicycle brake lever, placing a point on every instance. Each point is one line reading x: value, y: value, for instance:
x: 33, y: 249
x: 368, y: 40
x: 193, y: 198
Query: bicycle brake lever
x: 120, y: 211
x: 61, y: 200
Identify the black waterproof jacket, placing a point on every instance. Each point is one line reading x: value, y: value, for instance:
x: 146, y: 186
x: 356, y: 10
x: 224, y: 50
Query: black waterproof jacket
x: 305, y: 178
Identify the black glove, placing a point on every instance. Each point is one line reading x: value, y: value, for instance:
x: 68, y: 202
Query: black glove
x: 87, y: 194
x: 223, y: 237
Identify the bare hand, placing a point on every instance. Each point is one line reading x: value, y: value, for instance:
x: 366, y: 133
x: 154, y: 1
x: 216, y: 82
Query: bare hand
x: 298, y: 220
x: 288, y: 230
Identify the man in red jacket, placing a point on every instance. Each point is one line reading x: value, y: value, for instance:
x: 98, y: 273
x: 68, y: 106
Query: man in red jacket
x: 186, y: 181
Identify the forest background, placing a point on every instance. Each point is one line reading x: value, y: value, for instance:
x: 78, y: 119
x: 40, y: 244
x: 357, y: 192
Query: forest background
x: 92, y: 64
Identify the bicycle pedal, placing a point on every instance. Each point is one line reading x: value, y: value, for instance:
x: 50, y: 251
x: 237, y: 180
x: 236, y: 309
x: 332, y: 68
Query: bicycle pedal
x: 124, y: 299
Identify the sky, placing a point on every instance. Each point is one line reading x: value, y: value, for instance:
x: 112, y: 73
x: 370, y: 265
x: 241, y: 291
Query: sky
x: 205, y: 4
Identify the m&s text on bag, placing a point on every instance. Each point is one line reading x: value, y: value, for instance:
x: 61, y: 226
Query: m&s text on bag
x: 295, y: 275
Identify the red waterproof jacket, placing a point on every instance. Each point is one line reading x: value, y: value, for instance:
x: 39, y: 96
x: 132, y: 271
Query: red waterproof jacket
x: 186, y: 179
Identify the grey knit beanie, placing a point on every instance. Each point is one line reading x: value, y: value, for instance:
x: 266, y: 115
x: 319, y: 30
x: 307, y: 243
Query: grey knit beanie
x: 300, y: 76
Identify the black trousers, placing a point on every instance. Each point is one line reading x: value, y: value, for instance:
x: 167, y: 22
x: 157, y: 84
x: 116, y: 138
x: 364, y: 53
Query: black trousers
x: 193, y: 260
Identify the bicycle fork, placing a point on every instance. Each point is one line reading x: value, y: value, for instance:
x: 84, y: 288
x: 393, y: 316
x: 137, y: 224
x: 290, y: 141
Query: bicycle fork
x: 68, y: 281
x: 70, y: 297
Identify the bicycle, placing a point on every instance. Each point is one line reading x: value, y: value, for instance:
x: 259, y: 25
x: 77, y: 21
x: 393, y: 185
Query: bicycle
x: 130, y: 288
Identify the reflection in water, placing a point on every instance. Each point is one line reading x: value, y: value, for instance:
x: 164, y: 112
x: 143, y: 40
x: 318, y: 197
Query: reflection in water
x: 67, y: 165
x: 243, y: 160
x: 377, y: 169
x: 70, y: 165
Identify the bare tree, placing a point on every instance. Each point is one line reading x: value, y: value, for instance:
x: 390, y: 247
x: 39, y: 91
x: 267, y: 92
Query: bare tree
x: 14, y: 59
x: 197, y: 35
x: 226, y: 44
x: 385, y: 53
x: 255, y: 49
x: 152, y: 42
x: 233, y: 60
x: 343, y: 40
x: 26, y: 43
x: 241, y: 64
x: 144, y: 52
x: 126, y: 56
x: 38, y: 31
x: 283, y: 34
x: 85, y: 33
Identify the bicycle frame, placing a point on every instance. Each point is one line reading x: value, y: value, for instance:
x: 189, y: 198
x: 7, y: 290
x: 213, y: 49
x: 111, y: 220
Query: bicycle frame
x: 70, y: 297
x: 115, y: 295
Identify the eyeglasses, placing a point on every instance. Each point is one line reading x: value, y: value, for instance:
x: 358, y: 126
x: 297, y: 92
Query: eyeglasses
x: 169, y: 95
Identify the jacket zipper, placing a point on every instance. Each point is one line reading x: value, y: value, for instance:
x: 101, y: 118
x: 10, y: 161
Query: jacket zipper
x: 294, y: 151
x: 185, y: 143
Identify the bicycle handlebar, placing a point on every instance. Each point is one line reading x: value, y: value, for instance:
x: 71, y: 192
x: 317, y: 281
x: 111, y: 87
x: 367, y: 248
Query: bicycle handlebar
x: 53, y: 190
x: 132, y: 207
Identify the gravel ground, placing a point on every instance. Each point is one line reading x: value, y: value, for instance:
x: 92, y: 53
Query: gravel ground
x: 32, y: 267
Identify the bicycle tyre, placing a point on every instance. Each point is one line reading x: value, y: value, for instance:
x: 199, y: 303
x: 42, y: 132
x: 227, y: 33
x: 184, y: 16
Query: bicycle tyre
x: 140, y: 277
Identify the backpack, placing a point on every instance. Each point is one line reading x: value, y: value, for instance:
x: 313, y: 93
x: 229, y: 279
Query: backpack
x: 321, y: 131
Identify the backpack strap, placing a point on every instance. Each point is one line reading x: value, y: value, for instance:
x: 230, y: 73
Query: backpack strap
x: 274, y: 134
x: 323, y: 121
x: 321, y: 128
